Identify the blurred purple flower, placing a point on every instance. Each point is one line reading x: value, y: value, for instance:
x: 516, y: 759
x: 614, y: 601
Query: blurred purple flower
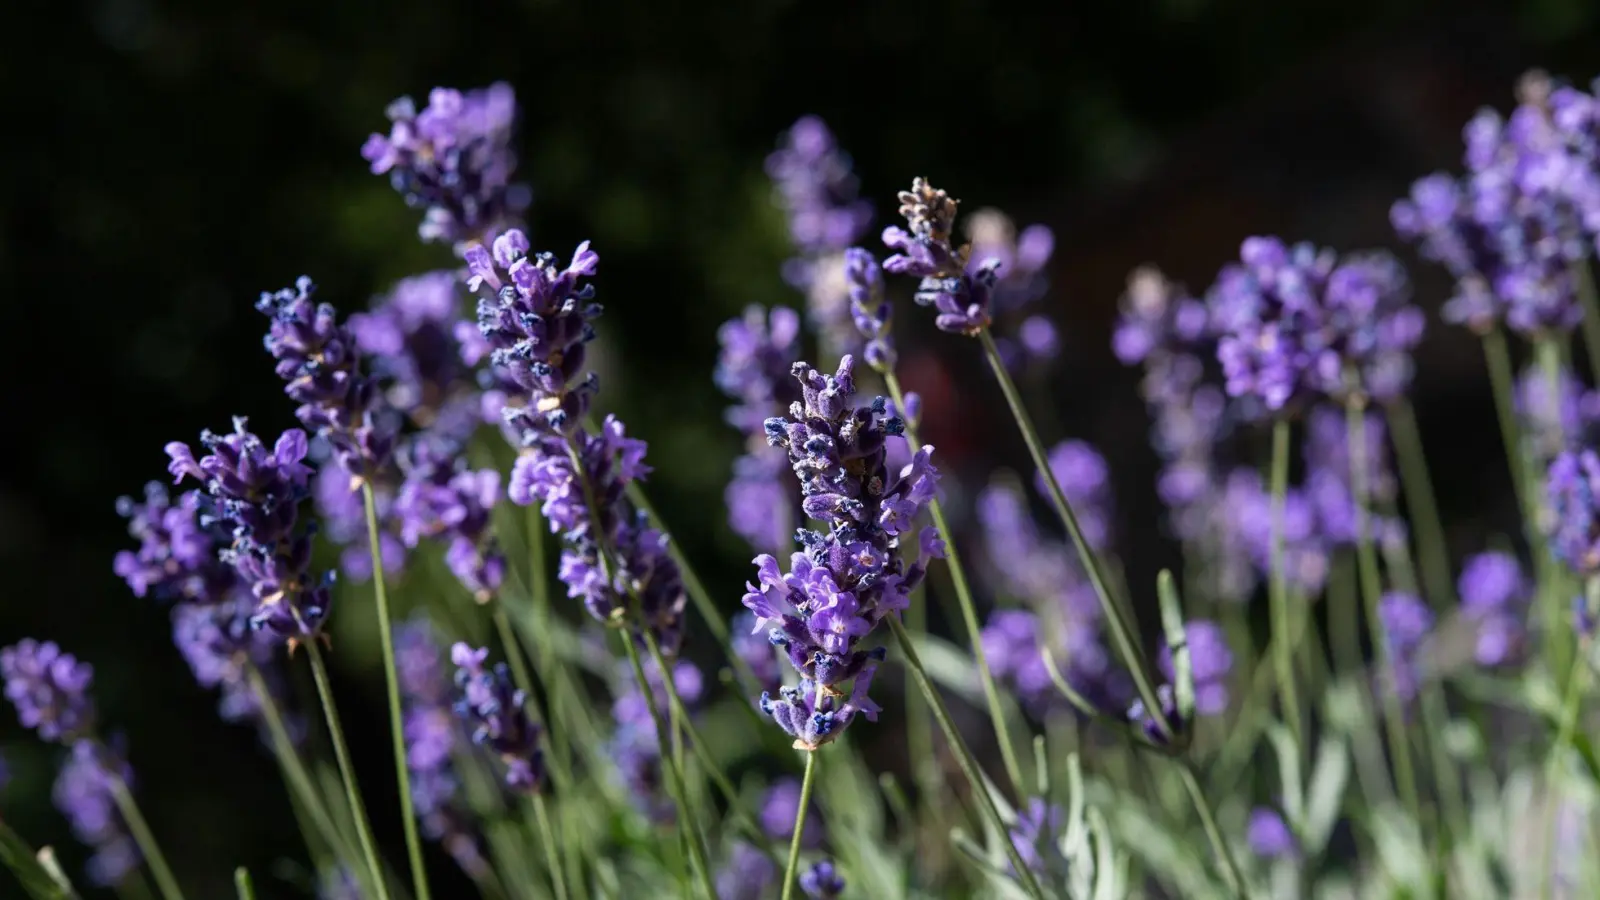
x: 1269, y: 836
x: 1573, y: 495
x: 84, y: 794
x: 50, y: 690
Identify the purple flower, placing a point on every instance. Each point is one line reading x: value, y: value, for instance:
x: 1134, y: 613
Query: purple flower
x: 453, y: 160
x: 1407, y: 622
x: 84, y: 792
x: 1036, y: 835
x: 537, y: 323
x: 753, y: 370
x: 410, y: 336
x: 177, y: 555
x: 635, y: 746
x: 1329, y: 483
x: 321, y: 363
x: 1269, y: 836
x: 1210, y: 663
x: 49, y: 688
x: 962, y: 297
x: 1022, y: 281
x: 748, y: 874
x: 872, y: 313
x: 220, y: 646
x: 1246, y: 512
x: 499, y: 716
x: 846, y: 580
x: 442, y: 499
x: 1296, y: 321
x: 1574, y: 526
x: 1555, y: 420
x: 822, y: 880
x: 1513, y: 229
x: 258, y: 491
x: 1085, y: 479
x: 779, y: 809
x: 433, y: 734
x: 815, y: 186
x: 342, y: 513
x: 1495, y: 597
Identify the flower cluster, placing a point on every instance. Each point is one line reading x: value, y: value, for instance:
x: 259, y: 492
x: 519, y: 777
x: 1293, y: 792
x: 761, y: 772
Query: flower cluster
x: 453, y: 159
x: 1086, y: 480
x: 963, y: 296
x: 258, y: 491
x: 176, y: 559
x: 1329, y: 480
x: 1495, y: 595
x: 873, y: 315
x: 635, y: 746
x: 753, y: 370
x: 220, y: 646
x: 1573, y: 487
x: 410, y: 337
x: 1555, y: 413
x: 1514, y: 228
x: 498, y: 714
x: 1021, y: 283
x: 535, y: 325
x: 84, y: 793
x: 818, y: 191
x: 49, y: 688
x: 442, y: 498
x: 321, y: 363
x: 846, y: 580
x: 1297, y: 322
x: 433, y: 735
x: 1407, y: 623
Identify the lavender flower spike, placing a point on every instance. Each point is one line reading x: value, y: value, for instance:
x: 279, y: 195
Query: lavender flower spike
x: 822, y: 881
x: 441, y: 498
x: 453, y: 159
x: 258, y: 491
x: 433, y: 734
x: 872, y: 313
x: 844, y: 581
x: 49, y: 688
x: 1573, y: 489
x: 83, y: 793
x: 320, y: 361
x: 963, y: 297
x: 177, y: 555
x: 499, y: 716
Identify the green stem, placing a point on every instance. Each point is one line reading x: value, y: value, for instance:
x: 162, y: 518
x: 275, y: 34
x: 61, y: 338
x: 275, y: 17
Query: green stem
x: 408, y: 818
x: 1283, y: 650
x: 1208, y: 821
x: 680, y: 712
x: 1501, y: 380
x: 547, y: 835
x: 963, y: 754
x: 347, y: 770
x: 165, y: 882
x: 1371, y: 589
x: 243, y: 885
x: 680, y: 794
x: 294, y: 770
x: 969, y: 612
x: 792, y: 870
x: 1121, y: 631
x: 919, y: 721
x: 1415, y: 480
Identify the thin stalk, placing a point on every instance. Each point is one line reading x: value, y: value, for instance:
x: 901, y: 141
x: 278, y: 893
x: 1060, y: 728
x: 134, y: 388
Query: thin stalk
x: 1501, y: 380
x: 1122, y: 633
x: 1417, y: 483
x: 242, y: 884
x: 919, y: 721
x: 969, y: 766
x: 793, y: 868
x: 408, y: 818
x: 969, y: 612
x: 1371, y: 588
x: 523, y: 681
x: 294, y: 770
x: 680, y: 794
x: 1208, y: 821
x: 1283, y: 649
x: 547, y: 835
x: 165, y: 882
x: 757, y: 835
x: 1344, y: 618
x: 347, y: 770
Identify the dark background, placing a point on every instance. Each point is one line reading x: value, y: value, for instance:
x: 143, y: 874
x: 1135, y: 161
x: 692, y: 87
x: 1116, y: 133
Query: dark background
x: 167, y: 161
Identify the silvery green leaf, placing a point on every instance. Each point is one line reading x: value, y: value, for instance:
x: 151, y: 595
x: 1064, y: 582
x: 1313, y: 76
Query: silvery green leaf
x: 31, y: 873
x: 1174, y: 859
x: 1400, y: 851
x: 1177, y: 639
x: 1110, y: 874
x: 1291, y: 786
x: 1325, y: 797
